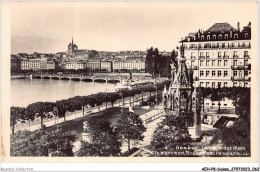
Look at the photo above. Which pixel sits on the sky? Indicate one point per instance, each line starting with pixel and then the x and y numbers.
pixel 107 26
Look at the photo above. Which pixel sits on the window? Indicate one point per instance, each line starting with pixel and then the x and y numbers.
pixel 246 35
pixel 236 36
pixel 223 45
pixel 214 36
pixel 201 73
pixel 194 38
pixel 201 62
pixel 245 53
pixel 219 62
pixel 219 54
pixel 213 73
pixel 202 37
pixel 225 62
pixel 207 54
pixel 235 62
pixel 207 73
pixel 235 73
pixel 219 36
pixel 219 84
pixel 213 62
pixel 219 73
pixel 207 62
pixel 246 73
pixel 243 44
pixel 201 84
pixel 207 84
pixel 213 45
pixel 225 73
pixel 226 36
pixel 208 37
pixel 201 54
pixel 225 85
pixel 235 84
pixel 246 84
pixel 235 54
pixel 213 84
pixel 225 54
pixel 245 62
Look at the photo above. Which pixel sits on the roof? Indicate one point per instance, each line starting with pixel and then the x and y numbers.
pixel 218 27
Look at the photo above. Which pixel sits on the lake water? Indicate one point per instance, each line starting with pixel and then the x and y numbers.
pixel 26 91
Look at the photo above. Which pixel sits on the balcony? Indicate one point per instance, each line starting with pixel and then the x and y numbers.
pixel 202 57
pixel 207 57
pixel 219 57
pixel 246 78
pixel 196 78
pixel 246 56
pixel 235 56
pixel 225 57
pixel 192 57
pixel 241 67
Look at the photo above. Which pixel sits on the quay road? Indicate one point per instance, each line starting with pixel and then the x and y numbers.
pixel 35 125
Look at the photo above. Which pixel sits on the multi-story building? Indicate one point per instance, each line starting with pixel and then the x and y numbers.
pixel 75 65
pixel 220 56
pixel 129 65
pixel 50 65
pixel 106 65
pixel 93 65
pixel 31 64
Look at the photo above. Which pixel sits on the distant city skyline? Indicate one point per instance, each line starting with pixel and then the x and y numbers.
pixel 120 26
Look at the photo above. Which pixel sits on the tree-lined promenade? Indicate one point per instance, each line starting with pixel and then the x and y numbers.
pixel 45 110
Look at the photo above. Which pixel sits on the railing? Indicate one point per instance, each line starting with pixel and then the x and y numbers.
pixel 235 56
pixel 219 57
pixel 225 57
pixel 241 67
pixel 202 57
pixel 192 57
pixel 246 56
pixel 196 78
pixel 246 78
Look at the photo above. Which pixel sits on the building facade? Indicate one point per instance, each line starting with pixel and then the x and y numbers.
pixel 93 65
pixel 129 65
pixel 106 65
pixel 74 65
pixel 220 56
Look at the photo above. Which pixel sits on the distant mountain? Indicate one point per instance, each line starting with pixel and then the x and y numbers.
pixel 27 44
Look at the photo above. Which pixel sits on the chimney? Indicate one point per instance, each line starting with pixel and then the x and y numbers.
pixel 238 27
pixel 249 24
pixel 199 34
pixel 230 34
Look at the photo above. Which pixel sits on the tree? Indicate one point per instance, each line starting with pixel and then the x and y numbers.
pixel 149 61
pixel 131 127
pixel 16 113
pixel 42 143
pixel 170 133
pixel 104 140
pixel 112 97
pixel 39 109
pixel 237 135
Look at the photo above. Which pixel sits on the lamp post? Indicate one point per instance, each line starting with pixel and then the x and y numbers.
pixel 55 109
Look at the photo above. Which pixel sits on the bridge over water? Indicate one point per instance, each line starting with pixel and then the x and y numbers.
pixel 97 77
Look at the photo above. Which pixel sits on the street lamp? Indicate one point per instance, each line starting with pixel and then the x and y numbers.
pixel 55 110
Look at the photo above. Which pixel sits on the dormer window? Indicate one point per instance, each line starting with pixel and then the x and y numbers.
pixel 226 36
pixel 188 38
pixel 214 36
pixel 219 36
pixel 194 38
pixel 208 37
pixel 236 36
pixel 202 37
pixel 246 35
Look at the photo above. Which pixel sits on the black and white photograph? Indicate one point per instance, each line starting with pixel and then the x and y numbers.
pixel 129 80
